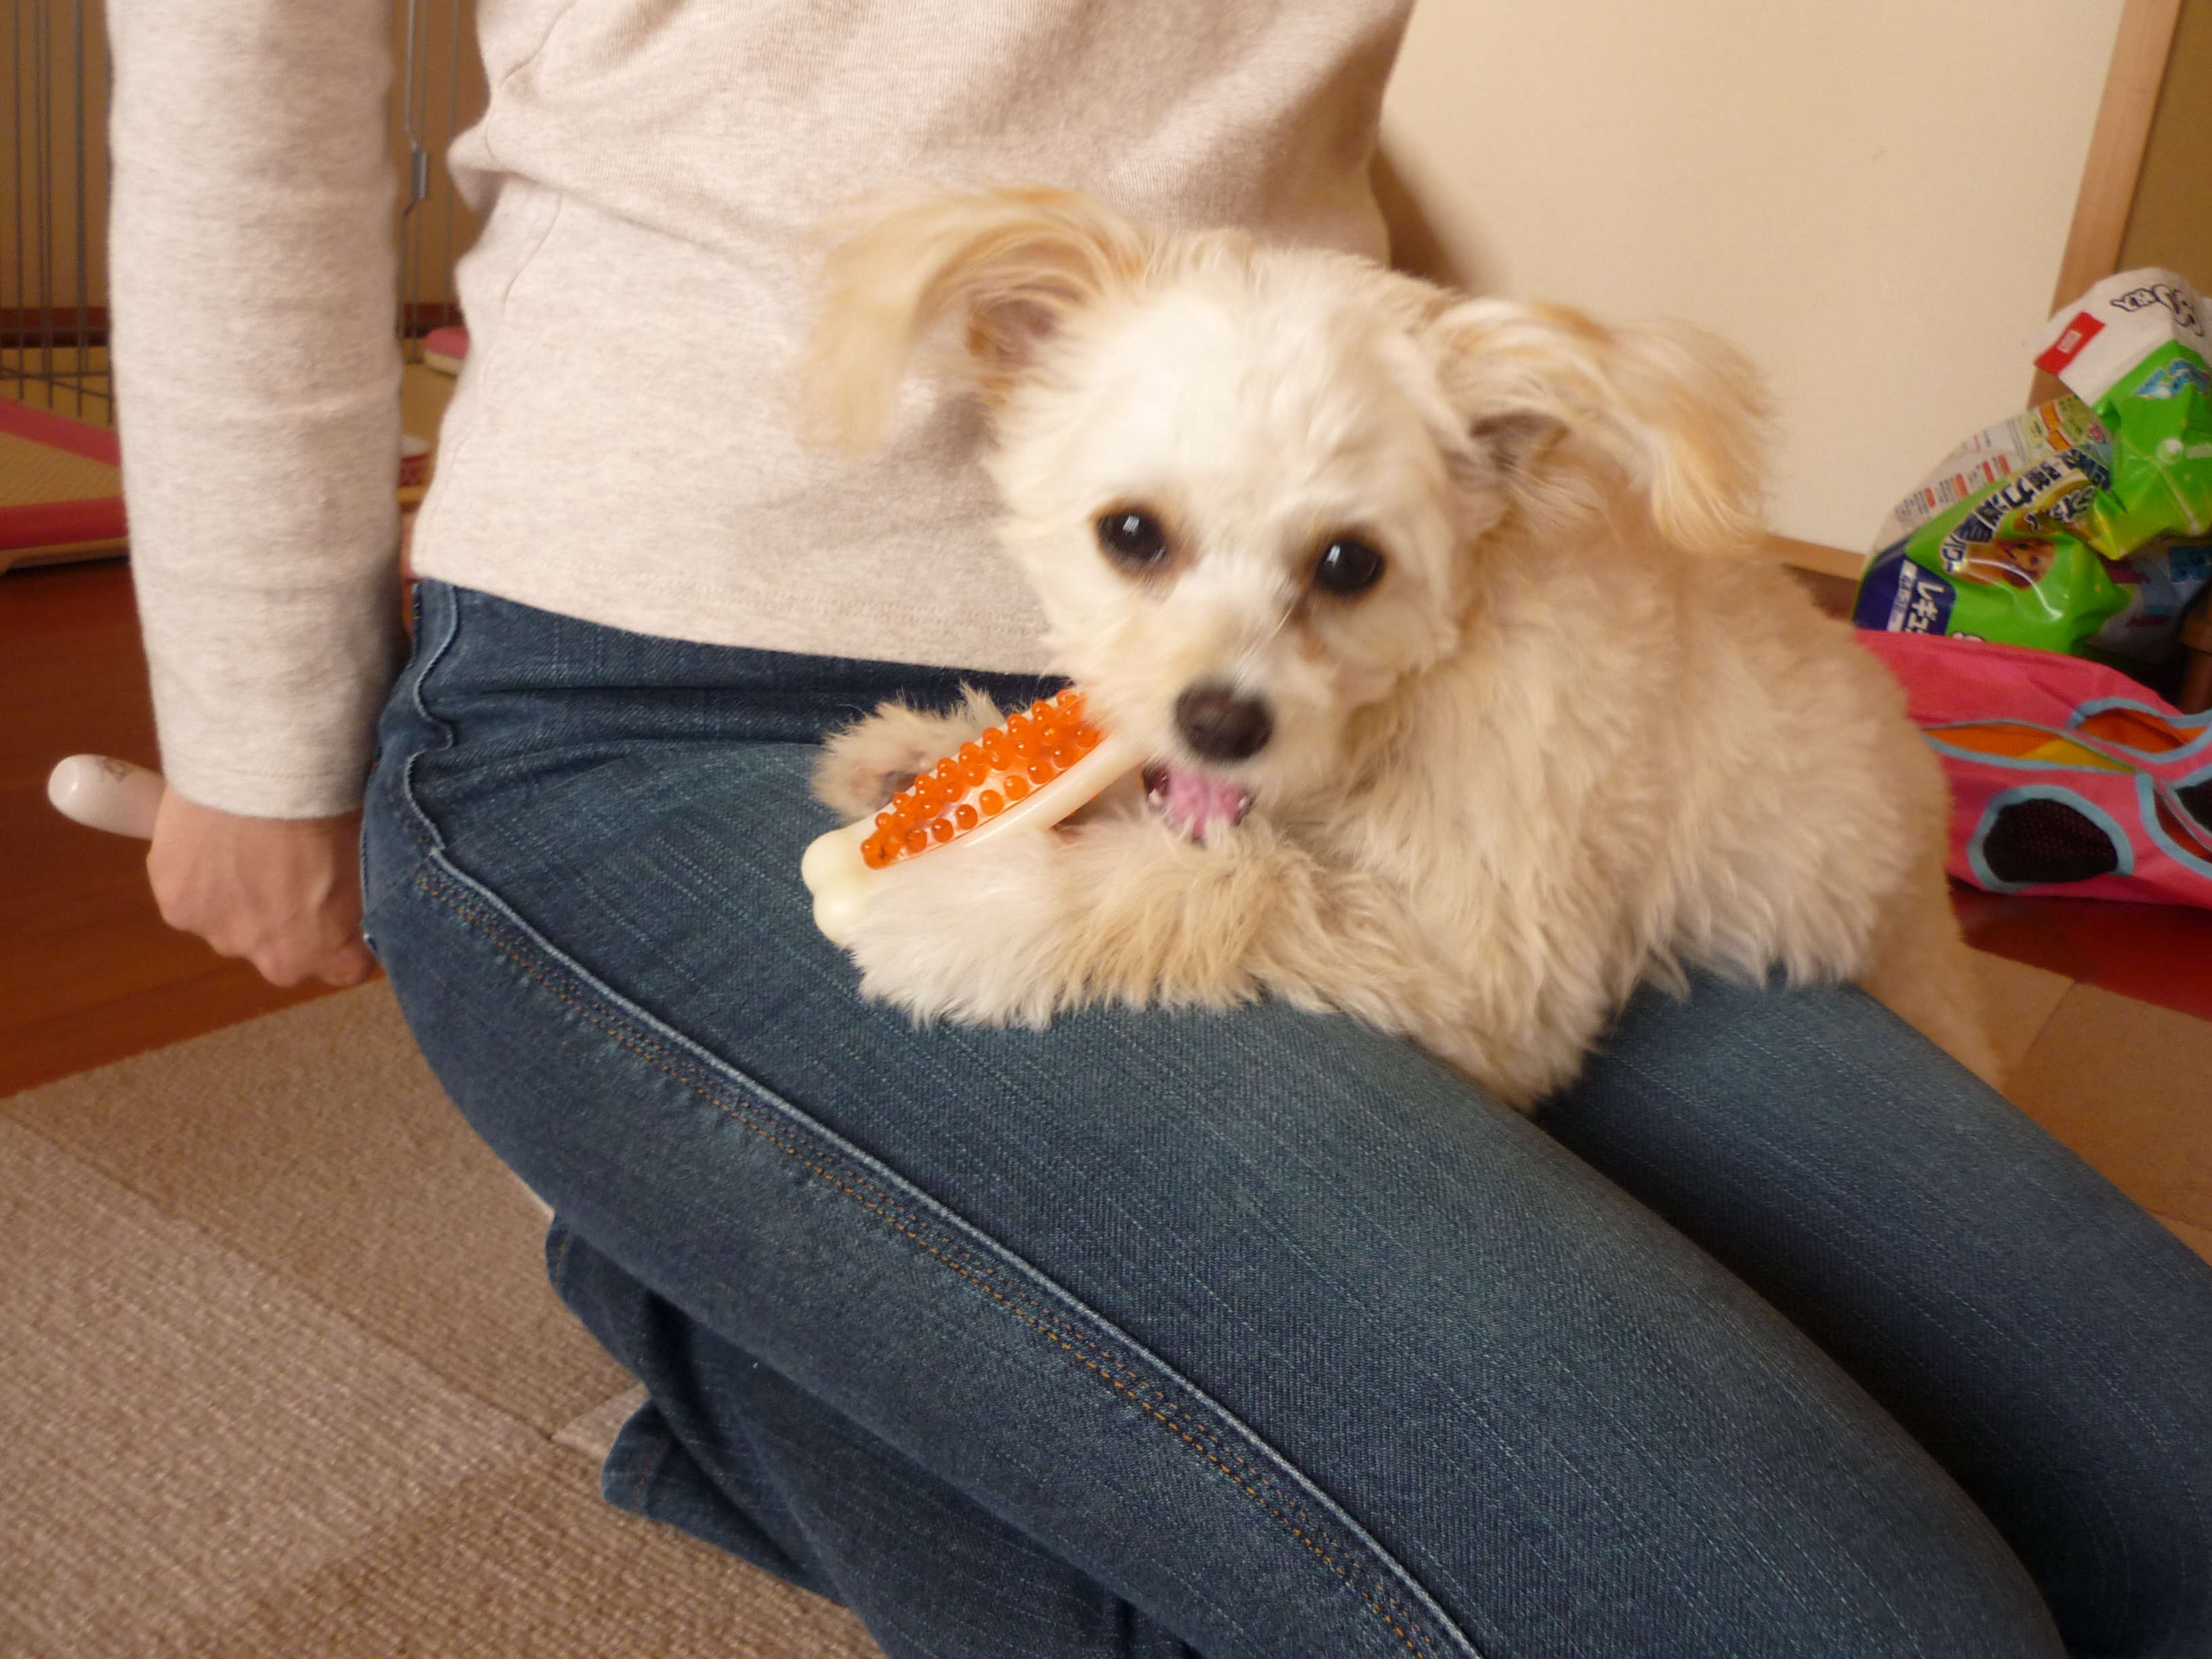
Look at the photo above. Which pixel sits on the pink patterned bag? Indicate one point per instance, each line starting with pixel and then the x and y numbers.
pixel 2066 776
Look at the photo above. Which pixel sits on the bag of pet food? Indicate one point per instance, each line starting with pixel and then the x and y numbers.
pixel 2066 776
pixel 2010 539
pixel 2004 540
pixel 2133 348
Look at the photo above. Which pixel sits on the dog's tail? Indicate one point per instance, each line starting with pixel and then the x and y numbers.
pixel 1009 264
pixel 1680 409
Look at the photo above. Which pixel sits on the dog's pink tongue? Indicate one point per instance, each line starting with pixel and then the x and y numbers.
pixel 1193 801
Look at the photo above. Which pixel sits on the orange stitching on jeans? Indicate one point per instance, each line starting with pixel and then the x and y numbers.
pixel 1085 1350
pixel 652 1467
pixel 1205 1443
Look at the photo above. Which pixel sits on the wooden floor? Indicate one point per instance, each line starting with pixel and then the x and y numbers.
pixel 87 971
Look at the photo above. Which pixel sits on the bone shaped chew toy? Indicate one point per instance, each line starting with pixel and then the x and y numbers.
pixel 1028 774
pixel 1021 777
pixel 105 794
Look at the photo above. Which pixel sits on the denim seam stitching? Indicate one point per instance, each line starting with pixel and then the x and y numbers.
pixel 650 1468
pixel 1115 1370
pixel 560 1274
pixel 416 821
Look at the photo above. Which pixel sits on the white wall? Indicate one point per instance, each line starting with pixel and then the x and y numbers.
pixel 1871 198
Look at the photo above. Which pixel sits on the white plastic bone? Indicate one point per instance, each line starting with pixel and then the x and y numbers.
pixel 840 881
pixel 106 794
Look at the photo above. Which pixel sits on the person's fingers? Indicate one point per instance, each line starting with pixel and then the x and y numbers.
pixel 283 894
pixel 350 966
pixel 293 958
pixel 279 968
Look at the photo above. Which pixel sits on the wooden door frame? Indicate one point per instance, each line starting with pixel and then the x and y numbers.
pixel 2116 147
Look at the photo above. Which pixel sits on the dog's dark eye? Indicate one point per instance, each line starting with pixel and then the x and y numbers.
pixel 1348 565
pixel 1131 539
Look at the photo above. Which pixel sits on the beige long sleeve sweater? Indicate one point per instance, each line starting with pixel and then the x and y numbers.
pixel 621 446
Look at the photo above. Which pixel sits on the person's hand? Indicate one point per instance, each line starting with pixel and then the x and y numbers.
pixel 283 893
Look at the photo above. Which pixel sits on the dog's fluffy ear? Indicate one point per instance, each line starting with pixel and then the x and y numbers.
pixel 1008 265
pixel 1679 409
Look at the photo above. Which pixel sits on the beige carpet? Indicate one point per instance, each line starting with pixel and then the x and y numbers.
pixel 282 1377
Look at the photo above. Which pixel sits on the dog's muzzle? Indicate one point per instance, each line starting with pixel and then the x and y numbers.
pixel 1194 802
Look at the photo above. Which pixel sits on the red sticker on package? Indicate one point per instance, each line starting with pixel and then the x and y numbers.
pixel 2076 334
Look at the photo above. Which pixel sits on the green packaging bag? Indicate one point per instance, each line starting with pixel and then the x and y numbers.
pixel 2008 539
pixel 2003 540
pixel 2134 350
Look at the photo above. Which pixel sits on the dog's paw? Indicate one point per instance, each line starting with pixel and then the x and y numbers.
pixel 863 766
pixel 974 936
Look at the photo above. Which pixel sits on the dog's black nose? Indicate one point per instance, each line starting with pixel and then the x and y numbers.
pixel 1220 725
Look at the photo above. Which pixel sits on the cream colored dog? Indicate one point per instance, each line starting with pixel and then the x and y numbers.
pixel 1470 712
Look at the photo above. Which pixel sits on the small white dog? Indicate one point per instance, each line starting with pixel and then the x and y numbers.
pixel 1470 711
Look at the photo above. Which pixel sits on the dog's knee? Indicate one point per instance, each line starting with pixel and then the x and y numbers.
pixel 863 766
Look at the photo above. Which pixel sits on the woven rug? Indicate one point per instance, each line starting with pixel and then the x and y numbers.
pixel 282 1377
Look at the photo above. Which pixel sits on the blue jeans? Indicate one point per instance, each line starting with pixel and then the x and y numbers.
pixel 1260 1334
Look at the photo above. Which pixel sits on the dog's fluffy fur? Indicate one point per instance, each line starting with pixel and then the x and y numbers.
pixel 1574 737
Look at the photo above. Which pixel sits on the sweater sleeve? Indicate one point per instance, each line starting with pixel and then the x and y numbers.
pixel 252 290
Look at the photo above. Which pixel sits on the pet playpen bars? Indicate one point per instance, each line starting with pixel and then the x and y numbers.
pixel 54 315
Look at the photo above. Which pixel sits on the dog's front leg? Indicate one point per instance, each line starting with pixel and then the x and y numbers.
pixel 863 766
pixel 1125 910
pixel 1128 911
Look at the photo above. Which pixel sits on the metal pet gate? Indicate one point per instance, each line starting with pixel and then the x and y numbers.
pixel 53 214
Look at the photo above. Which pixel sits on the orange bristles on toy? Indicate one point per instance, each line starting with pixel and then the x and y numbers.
pixel 998 769
pixel 1039 767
